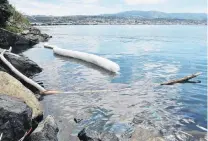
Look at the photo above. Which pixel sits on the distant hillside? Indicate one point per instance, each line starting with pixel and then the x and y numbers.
pixel 159 15
pixel 123 18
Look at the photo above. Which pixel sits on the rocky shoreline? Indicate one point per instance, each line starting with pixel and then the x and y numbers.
pixel 20 110
pixel 21 113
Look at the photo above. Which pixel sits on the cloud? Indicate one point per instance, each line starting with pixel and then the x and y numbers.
pixel 90 1
pixel 136 2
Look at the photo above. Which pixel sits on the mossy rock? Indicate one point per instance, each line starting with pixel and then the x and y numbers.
pixel 12 87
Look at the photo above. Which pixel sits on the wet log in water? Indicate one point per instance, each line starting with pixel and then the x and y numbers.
pixel 183 80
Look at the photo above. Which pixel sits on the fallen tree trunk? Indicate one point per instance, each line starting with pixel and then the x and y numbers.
pixel 182 80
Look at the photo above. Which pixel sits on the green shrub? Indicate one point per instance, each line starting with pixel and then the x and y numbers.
pixel 11 19
pixel 13 29
pixel 5 12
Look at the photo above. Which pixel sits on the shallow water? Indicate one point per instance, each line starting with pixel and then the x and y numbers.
pixel 147 54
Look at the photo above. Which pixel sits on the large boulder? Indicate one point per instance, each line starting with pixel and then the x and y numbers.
pixel 47 130
pixel 15 118
pixel 11 86
pixel 21 63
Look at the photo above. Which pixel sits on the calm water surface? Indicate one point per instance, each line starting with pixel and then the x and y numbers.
pixel 147 55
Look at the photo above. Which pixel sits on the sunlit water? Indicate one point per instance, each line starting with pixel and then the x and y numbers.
pixel 147 55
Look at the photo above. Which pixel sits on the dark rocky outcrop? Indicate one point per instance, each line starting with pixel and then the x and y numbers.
pixel 35 35
pixel 8 38
pixel 22 63
pixel 47 130
pixel 29 37
pixel 15 29
pixel 15 118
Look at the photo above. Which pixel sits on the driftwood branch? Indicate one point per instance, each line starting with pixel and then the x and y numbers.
pixel 183 80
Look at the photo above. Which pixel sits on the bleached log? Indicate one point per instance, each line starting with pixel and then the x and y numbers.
pixel 91 58
pixel 182 80
pixel 19 74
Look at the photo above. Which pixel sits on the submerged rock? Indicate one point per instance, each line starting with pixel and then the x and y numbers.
pixel 15 118
pixel 12 87
pixel 94 124
pixel 190 136
pixel 47 130
pixel 141 134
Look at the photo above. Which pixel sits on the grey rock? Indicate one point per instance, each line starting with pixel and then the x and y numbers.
pixel 23 64
pixel 29 37
pixel 8 38
pixel 15 118
pixel 47 130
pixel 35 35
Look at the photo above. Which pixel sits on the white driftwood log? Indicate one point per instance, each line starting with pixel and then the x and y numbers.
pixel 19 74
pixel 182 80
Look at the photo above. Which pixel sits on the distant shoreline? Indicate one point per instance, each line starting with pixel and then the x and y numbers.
pixel 123 18
pixel 34 24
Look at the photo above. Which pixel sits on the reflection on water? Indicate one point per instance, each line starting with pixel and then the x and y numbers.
pixel 148 56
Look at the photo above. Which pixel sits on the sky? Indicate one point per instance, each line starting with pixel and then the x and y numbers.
pixel 95 7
